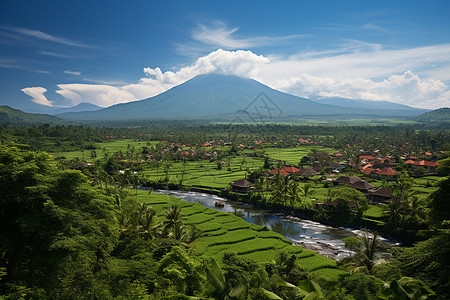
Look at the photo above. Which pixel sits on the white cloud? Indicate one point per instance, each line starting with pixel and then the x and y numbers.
pixel 358 71
pixel 218 35
pixel 49 53
pixel 240 63
pixel 407 88
pixel 36 34
pixel 37 95
pixel 41 71
pixel 103 95
pixel 72 73
pixel 365 62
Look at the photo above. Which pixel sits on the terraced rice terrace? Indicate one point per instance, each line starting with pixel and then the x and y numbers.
pixel 225 232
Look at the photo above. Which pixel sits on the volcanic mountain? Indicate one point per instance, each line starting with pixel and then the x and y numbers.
pixel 215 96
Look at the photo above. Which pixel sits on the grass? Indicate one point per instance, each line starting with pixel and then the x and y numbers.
pixel 374 212
pixel 224 232
pixel 293 155
pixel 316 262
pixel 205 173
pixel 109 147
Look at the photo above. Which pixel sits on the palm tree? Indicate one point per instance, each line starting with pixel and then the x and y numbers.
pixel 393 212
pixel 140 222
pixel 260 185
pixel 294 190
pixel 282 189
pixel 306 191
pixel 173 221
pixel 366 248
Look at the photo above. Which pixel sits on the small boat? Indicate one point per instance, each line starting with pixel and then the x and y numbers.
pixel 219 204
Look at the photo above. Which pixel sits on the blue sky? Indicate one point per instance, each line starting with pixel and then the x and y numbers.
pixel 61 53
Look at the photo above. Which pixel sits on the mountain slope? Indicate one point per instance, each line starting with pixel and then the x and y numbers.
pixel 83 106
pixel 214 96
pixel 380 107
pixel 17 117
pixel 207 96
pixel 438 115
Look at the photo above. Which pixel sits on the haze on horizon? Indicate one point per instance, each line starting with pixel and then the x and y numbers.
pixel 57 54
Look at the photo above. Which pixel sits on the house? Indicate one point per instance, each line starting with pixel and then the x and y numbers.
pixel 280 171
pixel 381 195
pixel 346 180
pixel 362 186
pixel 430 166
pixel 367 170
pixel 290 170
pixel 340 204
pixel 387 171
pixel 241 186
pixel 308 172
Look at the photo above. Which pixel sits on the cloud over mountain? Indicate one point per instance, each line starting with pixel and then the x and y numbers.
pixel 407 88
pixel 240 63
pixel 310 76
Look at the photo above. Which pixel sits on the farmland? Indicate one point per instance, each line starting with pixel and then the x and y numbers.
pixel 224 232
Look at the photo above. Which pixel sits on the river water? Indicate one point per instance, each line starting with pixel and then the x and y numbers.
pixel 323 239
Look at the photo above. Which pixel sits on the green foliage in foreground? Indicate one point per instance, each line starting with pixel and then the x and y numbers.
pixel 63 237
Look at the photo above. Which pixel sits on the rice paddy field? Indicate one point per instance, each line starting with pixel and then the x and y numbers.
pixel 199 173
pixel 205 173
pixel 293 155
pixel 102 148
pixel 225 232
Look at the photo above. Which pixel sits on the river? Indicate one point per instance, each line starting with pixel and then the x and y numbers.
pixel 323 239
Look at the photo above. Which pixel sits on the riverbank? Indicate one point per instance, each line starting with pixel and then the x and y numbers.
pixel 320 238
pixel 279 209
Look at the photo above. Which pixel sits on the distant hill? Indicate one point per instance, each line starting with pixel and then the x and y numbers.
pixel 436 116
pixel 214 96
pixel 17 117
pixel 84 106
pixel 386 108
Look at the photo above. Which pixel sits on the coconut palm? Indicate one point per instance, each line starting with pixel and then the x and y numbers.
pixel 173 220
pixel 393 212
pixel 306 191
pixel 294 191
pixel 260 185
pixel 366 248
pixel 282 187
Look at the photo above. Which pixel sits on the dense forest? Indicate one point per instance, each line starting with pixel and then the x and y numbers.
pixel 76 229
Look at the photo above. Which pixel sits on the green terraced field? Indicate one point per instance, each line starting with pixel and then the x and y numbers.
pixel 205 173
pixel 374 212
pixel 293 155
pixel 108 147
pixel 223 232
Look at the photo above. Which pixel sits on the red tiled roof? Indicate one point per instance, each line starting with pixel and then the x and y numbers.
pixel 275 171
pixel 428 153
pixel 387 171
pixel 368 170
pixel 409 161
pixel 291 169
pixel 426 163
pixel 366 157
pixel 367 166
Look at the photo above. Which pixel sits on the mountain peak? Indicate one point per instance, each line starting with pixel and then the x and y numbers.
pixel 217 96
